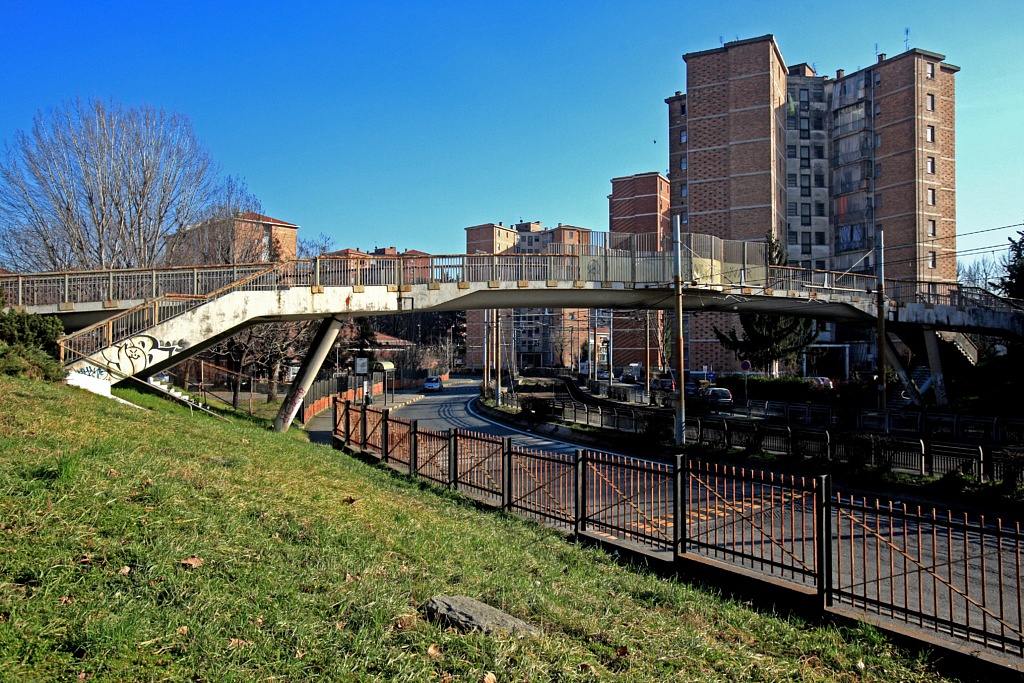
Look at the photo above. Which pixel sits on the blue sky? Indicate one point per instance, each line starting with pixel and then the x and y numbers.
pixel 401 123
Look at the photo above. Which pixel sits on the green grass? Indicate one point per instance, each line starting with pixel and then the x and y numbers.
pixel 154 545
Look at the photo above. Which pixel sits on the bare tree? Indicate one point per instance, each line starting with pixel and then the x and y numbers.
pixel 983 272
pixel 228 230
pixel 99 185
pixel 311 248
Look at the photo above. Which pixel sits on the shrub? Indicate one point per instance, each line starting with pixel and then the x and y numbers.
pixel 19 360
pixel 28 329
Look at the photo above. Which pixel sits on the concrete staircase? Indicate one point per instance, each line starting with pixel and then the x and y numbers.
pixel 177 394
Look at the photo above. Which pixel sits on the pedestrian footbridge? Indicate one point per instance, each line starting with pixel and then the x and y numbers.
pixel 128 323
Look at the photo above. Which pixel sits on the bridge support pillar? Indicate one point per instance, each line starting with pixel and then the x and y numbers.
pixel 893 359
pixel 318 350
pixel 931 345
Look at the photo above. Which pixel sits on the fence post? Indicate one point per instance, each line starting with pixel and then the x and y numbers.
pixel 828 446
pixel 580 523
pixel 679 522
pixel 789 442
pixel 926 452
pixel 414 448
pixel 348 423
pixel 982 465
pixel 506 473
pixel 453 458
pixel 824 550
pixel 385 433
pixel 362 422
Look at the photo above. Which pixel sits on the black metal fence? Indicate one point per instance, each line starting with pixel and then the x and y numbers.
pixel 951 574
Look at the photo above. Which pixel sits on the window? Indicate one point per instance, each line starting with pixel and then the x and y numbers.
pixel 791 237
pixel 931 196
pixel 805 185
pixel 805 100
pixel 932 229
pixel 878 201
pixel 791 180
pixel 819 208
pixel 683 191
pixel 878 110
pixel 805 265
pixel 805 214
pixel 684 217
pixel 878 80
pixel 929 102
pixel 929 69
pixel 805 245
pixel 818 94
pixel 929 164
pixel 929 134
pixel 819 238
pixel 791 208
pixel 682 164
pixel 805 157
pixel 817 121
pixel 878 170
pixel 931 259
pixel 805 128
pixel 878 140
pixel 791 151
pixel 790 123
pixel 819 180
pixel 682 135
pixel 819 152
pixel 682 109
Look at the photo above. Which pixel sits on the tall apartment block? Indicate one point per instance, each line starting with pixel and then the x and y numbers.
pixel 826 165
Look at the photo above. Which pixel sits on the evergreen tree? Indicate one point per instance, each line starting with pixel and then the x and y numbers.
pixel 769 338
pixel 1012 284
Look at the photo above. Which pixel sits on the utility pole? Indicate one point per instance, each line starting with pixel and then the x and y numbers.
pixel 880 307
pixel 680 431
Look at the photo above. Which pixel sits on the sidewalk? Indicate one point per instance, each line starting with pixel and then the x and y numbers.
pixel 320 427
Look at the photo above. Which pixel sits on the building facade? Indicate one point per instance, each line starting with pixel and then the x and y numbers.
pixel 528 337
pixel 827 166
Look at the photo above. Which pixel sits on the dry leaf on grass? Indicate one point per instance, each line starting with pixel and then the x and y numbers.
pixel 434 652
pixel 124 571
pixel 348 500
pixel 490 678
pixel 192 562
pixel 406 622
pixel 182 630
pixel 238 642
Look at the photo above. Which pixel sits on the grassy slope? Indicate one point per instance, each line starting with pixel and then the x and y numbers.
pixel 314 564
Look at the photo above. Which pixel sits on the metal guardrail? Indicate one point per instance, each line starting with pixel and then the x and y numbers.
pixel 938 572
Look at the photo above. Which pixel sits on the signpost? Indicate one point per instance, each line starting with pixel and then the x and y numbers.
pixel 745 367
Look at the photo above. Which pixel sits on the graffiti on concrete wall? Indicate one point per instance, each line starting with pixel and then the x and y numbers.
pixel 138 353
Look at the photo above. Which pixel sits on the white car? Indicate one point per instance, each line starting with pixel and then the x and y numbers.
pixel 433 383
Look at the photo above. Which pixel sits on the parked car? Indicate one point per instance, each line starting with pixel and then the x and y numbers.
pixel 627 378
pixel 663 385
pixel 433 383
pixel 823 382
pixel 603 374
pixel 718 398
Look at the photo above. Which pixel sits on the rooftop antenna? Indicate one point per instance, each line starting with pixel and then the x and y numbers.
pixel 876 49
pixel 721 40
pixel 906 38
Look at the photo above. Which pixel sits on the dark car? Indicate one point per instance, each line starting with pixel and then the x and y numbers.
pixel 718 398
pixel 627 378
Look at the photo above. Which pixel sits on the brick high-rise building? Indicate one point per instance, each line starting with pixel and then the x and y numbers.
pixel 823 164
